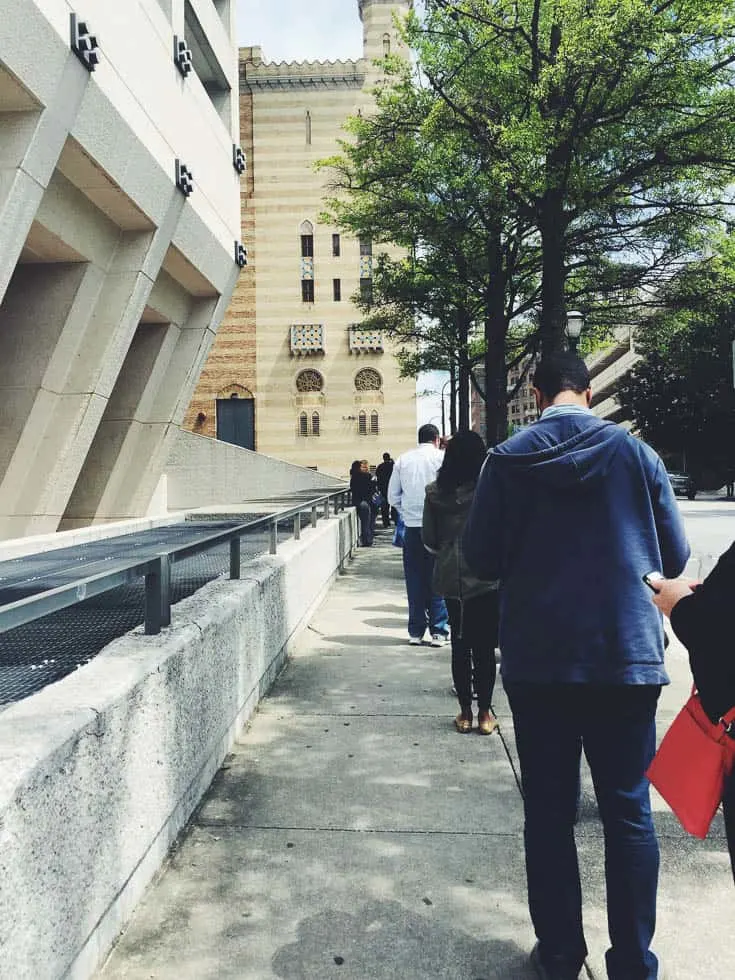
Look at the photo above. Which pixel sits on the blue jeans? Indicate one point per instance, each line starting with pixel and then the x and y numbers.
pixel 424 608
pixel 615 724
pixel 365 517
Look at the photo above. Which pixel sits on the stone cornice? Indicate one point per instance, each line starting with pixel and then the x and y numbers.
pixel 303 74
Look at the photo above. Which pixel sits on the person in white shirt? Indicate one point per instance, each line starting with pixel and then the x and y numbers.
pixel 412 473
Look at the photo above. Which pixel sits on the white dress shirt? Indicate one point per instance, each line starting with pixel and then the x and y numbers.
pixel 412 473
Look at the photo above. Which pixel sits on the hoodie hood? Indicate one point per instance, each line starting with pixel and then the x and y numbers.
pixel 564 452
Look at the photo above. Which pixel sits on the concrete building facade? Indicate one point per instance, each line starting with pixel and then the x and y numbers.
pixel 292 373
pixel 119 214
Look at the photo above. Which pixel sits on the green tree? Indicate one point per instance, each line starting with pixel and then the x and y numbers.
pixel 680 394
pixel 608 124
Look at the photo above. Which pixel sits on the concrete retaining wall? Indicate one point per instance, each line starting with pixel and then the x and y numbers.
pixel 204 472
pixel 101 771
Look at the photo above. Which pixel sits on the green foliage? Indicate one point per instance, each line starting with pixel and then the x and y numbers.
pixel 681 393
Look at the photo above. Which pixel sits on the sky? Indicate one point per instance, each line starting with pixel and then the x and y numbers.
pixel 294 30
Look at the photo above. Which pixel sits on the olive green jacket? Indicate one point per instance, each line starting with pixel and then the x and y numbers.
pixel 445 515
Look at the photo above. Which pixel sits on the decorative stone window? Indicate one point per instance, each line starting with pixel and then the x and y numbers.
pixel 309 380
pixel 309 424
pixel 307 121
pixel 386 45
pixel 306 339
pixel 362 423
pixel 374 423
pixel 368 379
pixel 368 423
pixel 363 340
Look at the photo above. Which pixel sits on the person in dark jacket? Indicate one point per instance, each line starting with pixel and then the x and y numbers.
pixel 383 473
pixel 362 487
pixel 701 616
pixel 569 514
pixel 472 604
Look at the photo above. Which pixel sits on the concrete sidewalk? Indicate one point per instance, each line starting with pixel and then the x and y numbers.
pixel 354 834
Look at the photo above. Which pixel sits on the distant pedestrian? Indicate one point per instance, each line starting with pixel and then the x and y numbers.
pixel 382 475
pixel 412 472
pixel 569 514
pixel 362 487
pixel 701 616
pixel 472 603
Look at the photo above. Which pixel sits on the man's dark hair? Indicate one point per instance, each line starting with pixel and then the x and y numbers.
pixel 562 371
pixel 386 457
pixel 428 433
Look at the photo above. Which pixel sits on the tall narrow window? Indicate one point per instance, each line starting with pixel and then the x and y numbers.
pixel 307 122
pixel 386 45
pixel 362 423
pixel 366 246
pixel 366 291
pixel 307 246
pixel 307 290
pixel 374 424
pixel 315 424
pixel 337 289
pixel 303 424
pixel 335 246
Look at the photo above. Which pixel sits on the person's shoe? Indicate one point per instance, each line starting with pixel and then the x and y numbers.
pixel 544 972
pixel 463 722
pixel 486 724
pixel 437 640
pixel 415 641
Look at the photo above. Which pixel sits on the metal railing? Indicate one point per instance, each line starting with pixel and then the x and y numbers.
pixel 157 570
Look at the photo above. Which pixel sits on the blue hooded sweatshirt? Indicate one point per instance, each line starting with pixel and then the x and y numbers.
pixel 569 514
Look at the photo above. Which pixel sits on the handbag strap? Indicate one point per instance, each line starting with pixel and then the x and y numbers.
pixel 727 720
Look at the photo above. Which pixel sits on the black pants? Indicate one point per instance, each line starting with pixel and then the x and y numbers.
pixel 728 808
pixel 387 513
pixel 474 625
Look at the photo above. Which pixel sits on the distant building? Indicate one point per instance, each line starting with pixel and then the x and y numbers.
pixel 293 373
pixel 607 367
pixel 521 406
pixel 119 212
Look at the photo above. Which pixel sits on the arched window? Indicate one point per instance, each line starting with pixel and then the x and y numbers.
pixel 362 423
pixel 307 239
pixel 307 121
pixel 374 423
pixel 309 380
pixel 315 424
pixel 368 379
pixel 386 45
pixel 303 424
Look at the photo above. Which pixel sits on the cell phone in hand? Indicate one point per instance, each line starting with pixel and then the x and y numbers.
pixel 650 577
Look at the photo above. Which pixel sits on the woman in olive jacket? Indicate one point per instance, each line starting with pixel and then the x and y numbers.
pixel 701 616
pixel 471 602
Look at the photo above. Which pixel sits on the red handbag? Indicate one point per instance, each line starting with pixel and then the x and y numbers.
pixel 692 764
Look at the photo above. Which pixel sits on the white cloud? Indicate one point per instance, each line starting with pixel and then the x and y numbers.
pixel 292 30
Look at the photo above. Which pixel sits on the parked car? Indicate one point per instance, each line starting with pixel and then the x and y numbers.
pixel 683 485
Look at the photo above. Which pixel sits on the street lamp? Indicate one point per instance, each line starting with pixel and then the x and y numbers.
pixel 444 386
pixel 575 322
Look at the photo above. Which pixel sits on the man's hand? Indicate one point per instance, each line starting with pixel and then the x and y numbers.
pixel 669 591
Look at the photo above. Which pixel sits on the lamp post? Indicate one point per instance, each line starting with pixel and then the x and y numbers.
pixel 575 322
pixel 444 427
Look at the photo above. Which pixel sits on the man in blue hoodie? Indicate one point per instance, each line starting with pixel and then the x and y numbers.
pixel 569 514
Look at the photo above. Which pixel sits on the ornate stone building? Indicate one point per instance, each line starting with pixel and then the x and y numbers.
pixel 292 373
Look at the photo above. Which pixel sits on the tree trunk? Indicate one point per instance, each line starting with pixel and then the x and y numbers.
pixel 463 370
pixel 496 326
pixel 452 399
pixel 553 319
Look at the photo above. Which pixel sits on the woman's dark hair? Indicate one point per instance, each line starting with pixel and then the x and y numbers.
pixel 355 468
pixel 463 459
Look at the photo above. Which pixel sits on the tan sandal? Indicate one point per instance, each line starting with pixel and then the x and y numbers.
pixel 463 723
pixel 486 724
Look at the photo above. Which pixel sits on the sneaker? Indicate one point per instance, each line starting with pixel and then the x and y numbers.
pixel 550 973
pixel 437 640
pixel 415 641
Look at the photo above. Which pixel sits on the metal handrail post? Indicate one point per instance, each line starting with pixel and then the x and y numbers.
pixel 326 506
pixel 297 526
pixel 153 599
pixel 235 557
pixel 314 516
pixel 274 537
pixel 165 590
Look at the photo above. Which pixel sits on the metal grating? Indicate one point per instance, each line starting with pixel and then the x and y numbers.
pixel 44 651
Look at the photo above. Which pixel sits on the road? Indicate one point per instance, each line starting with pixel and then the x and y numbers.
pixel 711 527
